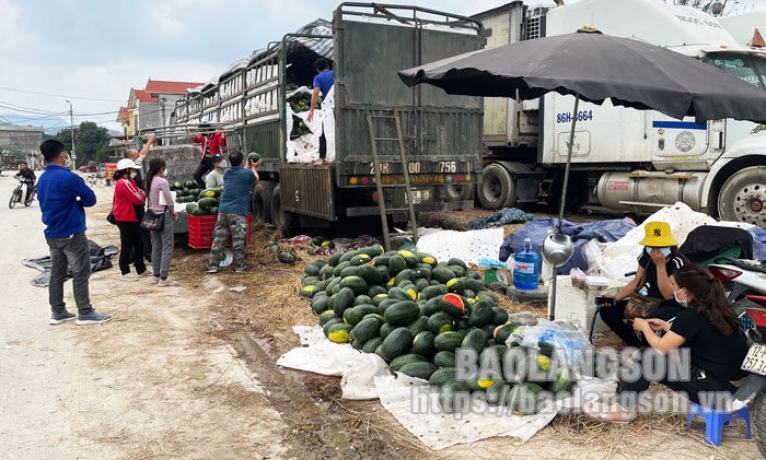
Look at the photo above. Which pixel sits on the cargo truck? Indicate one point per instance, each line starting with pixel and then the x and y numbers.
pixel 420 135
pixel 624 159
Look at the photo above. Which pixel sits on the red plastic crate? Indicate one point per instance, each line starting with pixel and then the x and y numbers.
pixel 201 231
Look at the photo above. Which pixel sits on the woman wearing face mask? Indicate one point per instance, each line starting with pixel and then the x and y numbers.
pixel 162 241
pixel 711 331
pixel 657 262
pixel 127 195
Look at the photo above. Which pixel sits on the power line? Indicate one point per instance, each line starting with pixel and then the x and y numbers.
pixel 59 95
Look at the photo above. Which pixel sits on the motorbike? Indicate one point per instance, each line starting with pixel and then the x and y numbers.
pixel 745 280
pixel 18 193
pixel 754 320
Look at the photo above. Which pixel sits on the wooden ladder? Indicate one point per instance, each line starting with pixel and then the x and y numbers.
pixel 379 183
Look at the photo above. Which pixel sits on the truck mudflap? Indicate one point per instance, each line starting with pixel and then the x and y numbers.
pixel 308 190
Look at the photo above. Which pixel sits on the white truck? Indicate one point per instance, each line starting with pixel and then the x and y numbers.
pixel 743 26
pixel 624 159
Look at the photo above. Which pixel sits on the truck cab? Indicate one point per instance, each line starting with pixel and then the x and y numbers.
pixel 625 159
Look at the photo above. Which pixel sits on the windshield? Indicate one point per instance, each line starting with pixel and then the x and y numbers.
pixel 746 67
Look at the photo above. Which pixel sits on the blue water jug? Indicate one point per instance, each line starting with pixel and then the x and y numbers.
pixel 526 268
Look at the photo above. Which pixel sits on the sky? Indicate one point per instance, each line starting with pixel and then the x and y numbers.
pixel 92 52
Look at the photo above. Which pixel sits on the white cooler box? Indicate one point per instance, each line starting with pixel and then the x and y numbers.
pixel 576 305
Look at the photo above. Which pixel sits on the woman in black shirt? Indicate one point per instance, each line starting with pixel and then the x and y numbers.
pixel 710 330
pixel 659 260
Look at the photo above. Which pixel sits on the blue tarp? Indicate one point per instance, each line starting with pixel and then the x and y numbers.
pixel 604 231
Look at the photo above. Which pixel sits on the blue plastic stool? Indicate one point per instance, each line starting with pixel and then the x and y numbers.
pixel 715 420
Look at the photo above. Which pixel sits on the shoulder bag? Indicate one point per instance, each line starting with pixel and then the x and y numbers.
pixel 153 221
pixel 640 306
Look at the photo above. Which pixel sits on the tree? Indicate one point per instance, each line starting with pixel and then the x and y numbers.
pixel 65 137
pixel 89 139
pixel 709 6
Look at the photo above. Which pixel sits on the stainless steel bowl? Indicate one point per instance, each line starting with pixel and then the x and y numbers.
pixel 557 248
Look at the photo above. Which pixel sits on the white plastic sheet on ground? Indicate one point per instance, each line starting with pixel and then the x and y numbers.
pixel 356 369
pixel 409 400
pixel 621 256
pixel 470 246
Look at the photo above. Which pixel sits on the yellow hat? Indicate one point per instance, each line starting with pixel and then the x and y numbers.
pixel 658 235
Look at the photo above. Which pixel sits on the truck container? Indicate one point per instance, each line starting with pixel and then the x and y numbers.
pixel 257 102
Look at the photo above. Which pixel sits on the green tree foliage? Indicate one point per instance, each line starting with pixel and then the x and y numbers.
pixel 65 137
pixel 90 139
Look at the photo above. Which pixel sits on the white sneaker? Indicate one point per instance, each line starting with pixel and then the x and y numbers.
pixel 167 282
pixel 130 277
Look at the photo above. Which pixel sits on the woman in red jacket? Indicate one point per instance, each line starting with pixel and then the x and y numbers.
pixel 127 196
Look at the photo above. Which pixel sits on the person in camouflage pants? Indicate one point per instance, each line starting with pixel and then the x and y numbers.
pixel 238 183
pixel 235 226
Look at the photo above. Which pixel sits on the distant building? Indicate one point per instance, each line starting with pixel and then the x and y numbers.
pixel 151 107
pixel 22 139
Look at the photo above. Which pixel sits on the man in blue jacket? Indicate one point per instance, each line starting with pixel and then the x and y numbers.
pixel 63 197
pixel 232 211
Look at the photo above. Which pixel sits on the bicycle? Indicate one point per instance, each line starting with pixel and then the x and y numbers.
pixel 95 180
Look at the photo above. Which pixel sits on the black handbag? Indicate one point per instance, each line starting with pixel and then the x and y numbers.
pixel 153 221
pixel 110 218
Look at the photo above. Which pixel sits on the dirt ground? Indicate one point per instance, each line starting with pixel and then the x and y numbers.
pixel 189 372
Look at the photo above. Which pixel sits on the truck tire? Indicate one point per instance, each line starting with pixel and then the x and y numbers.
pixel 759 421
pixel 262 196
pixel 459 192
pixel 286 221
pixel 497 189
pixel 743 197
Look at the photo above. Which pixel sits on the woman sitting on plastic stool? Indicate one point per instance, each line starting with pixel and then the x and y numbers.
pixel 711 331
pixel 659 260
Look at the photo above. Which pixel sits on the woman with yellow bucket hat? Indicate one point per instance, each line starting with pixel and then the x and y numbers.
pixel 656 264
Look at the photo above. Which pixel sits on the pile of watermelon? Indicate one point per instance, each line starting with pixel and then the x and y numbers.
pixel 414 312
pixel 201 202
pixel 186 192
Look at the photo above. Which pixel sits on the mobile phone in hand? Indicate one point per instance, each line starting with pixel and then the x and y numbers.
pixel 603 301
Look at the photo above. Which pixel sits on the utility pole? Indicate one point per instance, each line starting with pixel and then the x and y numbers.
pixel 162 107
pixel 71 130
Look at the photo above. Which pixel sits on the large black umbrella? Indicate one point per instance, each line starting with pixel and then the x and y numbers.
pixel 596 67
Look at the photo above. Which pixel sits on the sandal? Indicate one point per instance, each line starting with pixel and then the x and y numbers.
pixel 607 412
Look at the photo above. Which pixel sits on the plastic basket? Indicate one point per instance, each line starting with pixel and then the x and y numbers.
pixel 201 231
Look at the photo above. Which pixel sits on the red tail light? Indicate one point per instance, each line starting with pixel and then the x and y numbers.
pixel 758 315
pixel 724 274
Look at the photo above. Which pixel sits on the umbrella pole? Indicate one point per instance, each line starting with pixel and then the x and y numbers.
pixel 552 302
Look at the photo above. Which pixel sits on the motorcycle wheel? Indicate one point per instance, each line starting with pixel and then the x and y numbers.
pixel 759 421
pixel 14 199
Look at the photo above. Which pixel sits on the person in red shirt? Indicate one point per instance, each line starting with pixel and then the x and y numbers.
pixel 127 195
pixel 211 142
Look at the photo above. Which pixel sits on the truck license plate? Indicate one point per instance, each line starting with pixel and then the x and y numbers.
pixel 755 361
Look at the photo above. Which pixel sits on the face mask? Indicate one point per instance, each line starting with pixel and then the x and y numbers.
pixel 665 251
pixel 223 164
pixel 684 303
pixel 133 175
pixel 68 161
pixel 165 173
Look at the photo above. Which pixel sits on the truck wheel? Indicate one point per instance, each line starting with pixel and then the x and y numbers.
pixel 743 197
pixel 459 192
pixel 497 189
pixel 262 196
pixel 759 421
pixel 286 221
